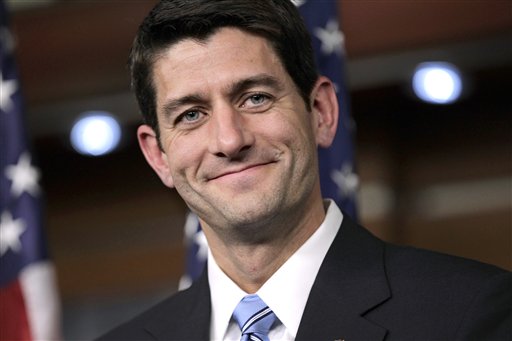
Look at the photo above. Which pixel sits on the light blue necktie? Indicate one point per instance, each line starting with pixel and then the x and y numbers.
pixel 254 318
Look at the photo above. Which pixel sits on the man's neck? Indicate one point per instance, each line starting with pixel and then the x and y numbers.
pixel 250 265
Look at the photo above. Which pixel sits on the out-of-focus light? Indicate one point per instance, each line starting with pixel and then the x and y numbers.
pixel 95 133
pixel 437 82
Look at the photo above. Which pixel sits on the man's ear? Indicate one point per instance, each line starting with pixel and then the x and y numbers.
pixel 324 106
pixel 157 159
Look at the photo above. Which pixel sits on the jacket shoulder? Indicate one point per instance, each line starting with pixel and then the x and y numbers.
pixel 183 315
pixel 410 262
pixel 445 292
pixel 135 328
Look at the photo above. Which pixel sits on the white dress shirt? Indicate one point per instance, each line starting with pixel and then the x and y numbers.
pixel 286 292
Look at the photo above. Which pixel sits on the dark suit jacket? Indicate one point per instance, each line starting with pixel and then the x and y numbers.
pixel 366 289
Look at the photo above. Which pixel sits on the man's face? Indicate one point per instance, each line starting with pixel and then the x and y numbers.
pixel 238 143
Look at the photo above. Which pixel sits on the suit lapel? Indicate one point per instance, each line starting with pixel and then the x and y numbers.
pixel 350 282
pixel 191 321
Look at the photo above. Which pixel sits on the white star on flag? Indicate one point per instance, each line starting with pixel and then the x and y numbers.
pixel 298 3
pixel 195 236
pixel 24 176
pixel 7 89
pixel 331 37
pixel 346 180
pixel 10 233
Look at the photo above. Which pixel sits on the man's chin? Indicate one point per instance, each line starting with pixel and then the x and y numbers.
pixel 245 219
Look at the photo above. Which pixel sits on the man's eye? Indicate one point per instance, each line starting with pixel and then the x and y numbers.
pixel 255 100
pixel 191 116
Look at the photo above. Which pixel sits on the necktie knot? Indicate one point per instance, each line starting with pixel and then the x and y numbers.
pixel 254 318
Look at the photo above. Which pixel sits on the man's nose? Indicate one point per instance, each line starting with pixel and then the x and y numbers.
pixel 229 133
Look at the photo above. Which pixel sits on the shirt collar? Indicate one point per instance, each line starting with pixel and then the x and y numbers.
pixel 225 296
pixel 286 301
pixel 287 291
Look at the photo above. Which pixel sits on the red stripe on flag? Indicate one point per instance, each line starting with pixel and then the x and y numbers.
pixel 13 316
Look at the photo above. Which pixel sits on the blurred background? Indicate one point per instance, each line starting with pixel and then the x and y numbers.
pixel 431 175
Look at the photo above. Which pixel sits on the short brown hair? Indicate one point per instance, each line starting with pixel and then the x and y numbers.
pixel 170 21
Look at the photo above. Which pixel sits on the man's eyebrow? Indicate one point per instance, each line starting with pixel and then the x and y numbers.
pixel 250 82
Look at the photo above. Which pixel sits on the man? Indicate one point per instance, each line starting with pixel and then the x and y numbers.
pixel 234 113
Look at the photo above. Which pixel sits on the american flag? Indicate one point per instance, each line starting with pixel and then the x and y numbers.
pixel 339 181
pixel 29 308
